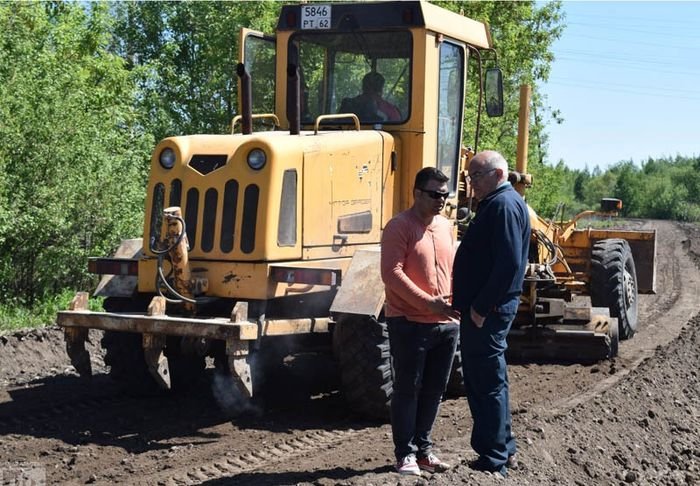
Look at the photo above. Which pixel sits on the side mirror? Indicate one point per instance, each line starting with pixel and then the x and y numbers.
pixel 493 88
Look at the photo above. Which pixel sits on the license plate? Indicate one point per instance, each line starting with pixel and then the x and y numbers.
pixel 315 16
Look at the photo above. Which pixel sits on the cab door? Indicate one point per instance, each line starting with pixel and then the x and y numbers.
pixel 342 196
pixel 257 51
pixel 451 86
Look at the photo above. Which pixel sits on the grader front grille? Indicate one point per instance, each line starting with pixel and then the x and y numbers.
pixel 202 213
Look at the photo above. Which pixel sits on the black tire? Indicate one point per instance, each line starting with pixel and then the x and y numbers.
pixel 124 355
pixel 124 351
pixel 455 384
pixel 187 370
pixel 614 283
pixel 361 348
pixel 127 366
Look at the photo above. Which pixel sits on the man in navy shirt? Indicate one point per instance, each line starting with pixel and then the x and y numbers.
pixel 488 274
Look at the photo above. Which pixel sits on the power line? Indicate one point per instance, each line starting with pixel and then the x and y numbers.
pixel 625 65
pixel 670 24
pixel 653 92
pixel 631 86
pixel 662 32
pixel 626 41
pixel 646 59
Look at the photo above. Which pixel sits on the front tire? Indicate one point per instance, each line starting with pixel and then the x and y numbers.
pixel 187 369
pixel 127 366
pixel 614 283
pixel 361 348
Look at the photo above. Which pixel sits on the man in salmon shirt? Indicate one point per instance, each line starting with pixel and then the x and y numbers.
pixel 416 262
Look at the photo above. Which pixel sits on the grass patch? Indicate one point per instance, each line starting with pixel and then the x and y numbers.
pixel 599 222
pixel 17 316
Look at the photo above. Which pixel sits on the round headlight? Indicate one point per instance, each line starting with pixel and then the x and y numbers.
pixel 167 158
pixel 256 159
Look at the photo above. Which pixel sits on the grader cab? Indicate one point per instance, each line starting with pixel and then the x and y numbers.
pixel 268 237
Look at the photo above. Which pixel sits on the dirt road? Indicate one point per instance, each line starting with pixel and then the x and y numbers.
pixel 635 419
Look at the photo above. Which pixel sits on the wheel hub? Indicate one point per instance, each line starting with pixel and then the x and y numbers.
pixel 629 289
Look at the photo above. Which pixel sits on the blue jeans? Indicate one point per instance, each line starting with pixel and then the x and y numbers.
pixel 486 384
pixel 422 357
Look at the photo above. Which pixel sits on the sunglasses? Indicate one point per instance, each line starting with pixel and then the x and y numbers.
pixel 435 194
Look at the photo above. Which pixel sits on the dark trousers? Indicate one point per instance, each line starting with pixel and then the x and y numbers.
pixel 422 357
pixel 486 384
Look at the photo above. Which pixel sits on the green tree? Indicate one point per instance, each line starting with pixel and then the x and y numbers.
pixel 551 191
pixel 188 53
pixel 599 187
pixel 628 187
pixel 522 33
pixel 191 48
pixel 661 188
pixel 71 147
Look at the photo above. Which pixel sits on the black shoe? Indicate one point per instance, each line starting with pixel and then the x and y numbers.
pixel 483 465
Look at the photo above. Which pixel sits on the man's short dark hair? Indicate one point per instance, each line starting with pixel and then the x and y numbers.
pixel 429 173
pixel 373 82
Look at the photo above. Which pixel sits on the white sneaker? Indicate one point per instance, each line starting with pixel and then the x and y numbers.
pixel 432 464
pixel 408 466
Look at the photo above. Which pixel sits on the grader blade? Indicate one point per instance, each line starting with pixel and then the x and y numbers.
pixel 237 352
pixel 157 363
pixel 76 337
pixel 572 340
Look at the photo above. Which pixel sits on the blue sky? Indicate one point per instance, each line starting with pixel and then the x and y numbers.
pixel 627 82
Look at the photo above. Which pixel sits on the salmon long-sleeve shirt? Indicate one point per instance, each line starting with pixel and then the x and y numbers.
pixel 416 265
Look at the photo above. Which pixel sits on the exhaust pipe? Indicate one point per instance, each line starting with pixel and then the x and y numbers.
pixel 246 100
pixel 523 135
pixel 293 99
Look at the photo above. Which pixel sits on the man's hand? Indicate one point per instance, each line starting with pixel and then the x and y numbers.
pixel 440 305
pixel 476 318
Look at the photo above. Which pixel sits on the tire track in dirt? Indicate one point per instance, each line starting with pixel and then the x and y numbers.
pixel 309 441
pixel 661 318
pixel 49 403
pixel 82 404
pixel 269 456
pixel 661 315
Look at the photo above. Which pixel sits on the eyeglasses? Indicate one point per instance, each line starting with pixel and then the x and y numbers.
pixel 435 194
pixel 478 175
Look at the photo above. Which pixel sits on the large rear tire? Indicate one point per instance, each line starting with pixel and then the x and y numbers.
pixel 614 283
pixel 361 348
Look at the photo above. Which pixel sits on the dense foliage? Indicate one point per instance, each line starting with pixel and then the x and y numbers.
pixel 522 33
pixel 666 188
pixel 189 51
pixel 86 89
pixel 72 147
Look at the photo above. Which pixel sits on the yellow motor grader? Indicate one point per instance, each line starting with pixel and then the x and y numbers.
pixel 609 266
pixel 269 235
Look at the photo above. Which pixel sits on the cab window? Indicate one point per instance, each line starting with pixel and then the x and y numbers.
pixel 450 103
pixel 350 72
pixel 260 63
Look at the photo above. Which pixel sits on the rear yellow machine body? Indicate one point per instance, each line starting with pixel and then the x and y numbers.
pixel 259 235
